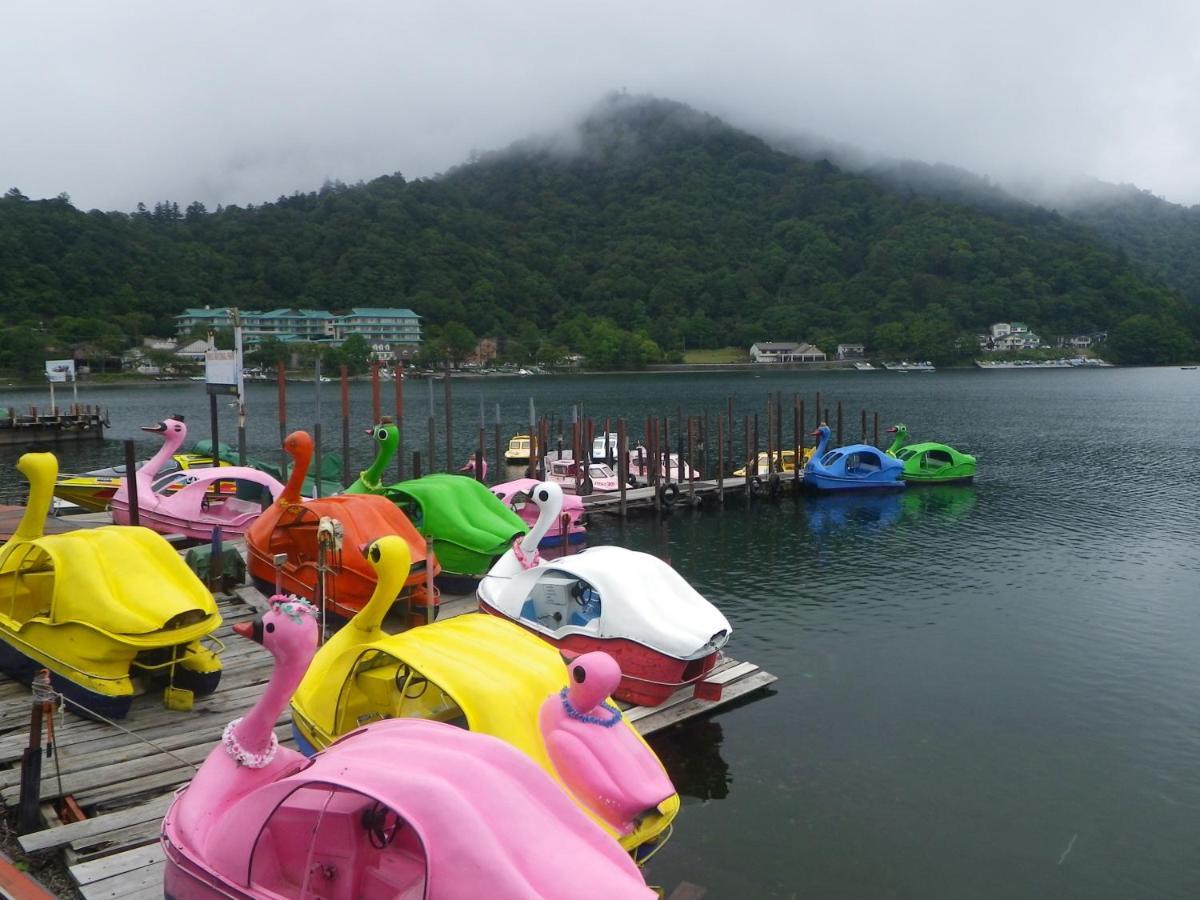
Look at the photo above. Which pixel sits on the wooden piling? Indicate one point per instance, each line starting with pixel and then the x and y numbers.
pixel 479 476
pixel 749 462
pixel 797 438
pixel 840 442
pixel 131 486
pixel 691 469
pixel 346 425
pixel 449 422
pixel 863 439
pixel 876 429
pixel 622 466
pixel 376 408
pixel 281 378
pixel 416 464
pixel 398 393
pixel 720 459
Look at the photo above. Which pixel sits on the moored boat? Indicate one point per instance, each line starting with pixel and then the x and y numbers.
pixel 97 606
pixel 520 447
pixel 589 478
pixel 490 676
pixel 853 467
pixel 633 606
pixel 400 808
pixel 569 524
pixel 929 462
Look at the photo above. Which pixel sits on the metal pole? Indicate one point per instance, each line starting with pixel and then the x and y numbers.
pixel 721 459
pixel 212 423
pixel 29 817
pixel 241 387
pixel 622 465
pixel 449 421
pixel 839 424
pixel 398 373
pixel 432 428
pixel 376 406
pixel 345 424
pixel 316 474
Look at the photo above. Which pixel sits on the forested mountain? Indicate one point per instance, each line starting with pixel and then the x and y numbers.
pixel 650 227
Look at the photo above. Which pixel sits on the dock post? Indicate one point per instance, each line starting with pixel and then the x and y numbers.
pixel 432 428
pixel 797 438
pixel 622 464
pixel 449 423
pixel 721 459
pixel 652 460
pixel 29 805
pixel 704 445
pixel 691 459
pixel 609 457
pixel 479 456
pixel 283 457
pixel 398 377
pixel 749 459
pixel 376 407
pixel 416 464
pixel 316 475
pixel 826 419
pixel 212 422
pixel 817 412
pixel 499 453
pixel 346 425
pixel 876 429
pixel 839 424
pixel 729 424
pixel 131 487
pixel 863 439
pixel 779 430
pixel 770 434
pixel 754 452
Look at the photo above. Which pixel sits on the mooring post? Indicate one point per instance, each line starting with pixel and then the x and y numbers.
pixel 797 437
pixel 826 419
pixel 839 424
pixel 479 476
pixel 576 460
pixel 29 817
pixel 622 465
pixel 416 464
pixel 398 377
pixel 499 453
pixel 876 429
pixel 730 424
pixel 691 469
pixel 863 439
pixel 749 466
pixel 376 406
pixel 318 468
pixel 704 445
pixel 721 459
pixel 131 486
pixel 346 425
pixel 817 412
pixel 449 422
pixel 770 433
pixel 281 378
pixel 779 430
pixel 754 451
pixel 652 461
pixel 608 450
pixel 213 426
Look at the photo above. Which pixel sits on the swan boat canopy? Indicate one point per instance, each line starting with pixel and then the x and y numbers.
pixel 930 463
pixel 401 808
pixel 853 467
pixel 291 527
pixel 96 606
pixel 516 495
pixel 631 605
pixel 488 675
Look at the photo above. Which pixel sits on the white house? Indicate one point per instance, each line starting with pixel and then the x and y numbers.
pixel 851 351
pixel 1013 336
pixel 785 352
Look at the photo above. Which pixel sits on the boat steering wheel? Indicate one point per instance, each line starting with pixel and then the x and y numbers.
pixel 418 683
pixel 381 823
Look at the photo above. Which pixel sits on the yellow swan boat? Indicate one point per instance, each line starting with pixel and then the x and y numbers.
pixel 479 672
pixel 97 606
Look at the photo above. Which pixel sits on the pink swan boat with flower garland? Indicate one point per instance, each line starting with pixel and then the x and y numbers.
pixel 192 502
pixel 633 606
pixel 469 816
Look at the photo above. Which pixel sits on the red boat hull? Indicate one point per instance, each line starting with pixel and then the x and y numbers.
pixel 648 677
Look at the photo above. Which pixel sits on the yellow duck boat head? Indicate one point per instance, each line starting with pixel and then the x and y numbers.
pixel 92 605
pixel 482 673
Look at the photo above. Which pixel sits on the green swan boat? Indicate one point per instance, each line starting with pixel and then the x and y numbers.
pixel 930 463
pixel 468 525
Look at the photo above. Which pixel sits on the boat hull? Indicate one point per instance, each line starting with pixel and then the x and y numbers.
pixel 648 677
pixel 820 481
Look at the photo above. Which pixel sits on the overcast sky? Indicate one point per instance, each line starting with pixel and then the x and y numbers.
pixel 237 102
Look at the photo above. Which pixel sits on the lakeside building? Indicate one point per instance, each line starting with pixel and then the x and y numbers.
pixel 1010 336
pixel 389 330
pixel 1082 341
pixel 786 352
pixel 851 351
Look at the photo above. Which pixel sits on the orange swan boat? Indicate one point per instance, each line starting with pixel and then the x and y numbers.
pixel 288 529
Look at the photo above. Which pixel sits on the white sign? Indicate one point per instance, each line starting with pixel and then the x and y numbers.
pixel 60 370
pixel 221 371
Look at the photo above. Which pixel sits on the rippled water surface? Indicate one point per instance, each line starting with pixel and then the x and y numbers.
pixel 991 691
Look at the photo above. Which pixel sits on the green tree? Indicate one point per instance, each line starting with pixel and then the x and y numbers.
pixel 457 342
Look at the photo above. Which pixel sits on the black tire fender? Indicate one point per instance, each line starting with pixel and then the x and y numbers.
pixel 667 494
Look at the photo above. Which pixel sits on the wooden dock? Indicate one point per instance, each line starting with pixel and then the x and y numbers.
pixel 690 493
pixel 124 784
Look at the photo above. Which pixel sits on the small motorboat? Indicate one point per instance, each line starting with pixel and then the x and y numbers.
pixel 193 502
pixel 490 676
pixel 930 463
pixel 671 468
pixel 520 447
pixel 468 526
pixel 605 448
pixel 93 490
pixel 853 467
pixel 396 809
pixel 593 477
pixel 98 605
pixel 292 529
pixel 631 605
pixel 570 523
pixel 779 462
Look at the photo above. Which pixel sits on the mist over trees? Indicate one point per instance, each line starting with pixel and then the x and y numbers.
pixel 659 228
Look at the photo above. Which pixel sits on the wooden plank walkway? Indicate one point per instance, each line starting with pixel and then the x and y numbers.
pixel 125 785
pixel 695 492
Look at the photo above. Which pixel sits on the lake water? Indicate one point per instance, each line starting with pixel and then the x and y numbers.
pixel 990 691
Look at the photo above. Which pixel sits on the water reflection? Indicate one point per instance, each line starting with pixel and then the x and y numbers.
pixel 691 751
pixel 852 511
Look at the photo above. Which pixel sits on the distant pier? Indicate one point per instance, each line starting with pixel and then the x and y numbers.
pixel 33 425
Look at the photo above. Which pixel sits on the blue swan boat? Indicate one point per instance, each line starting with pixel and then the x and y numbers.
pixel 853 467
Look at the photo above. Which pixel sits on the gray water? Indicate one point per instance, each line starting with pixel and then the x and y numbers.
pixel 991 691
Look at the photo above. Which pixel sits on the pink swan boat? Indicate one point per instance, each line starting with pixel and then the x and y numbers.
pixel 188 502
pixel 465 816
pixel 605 767
pixel 516 495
